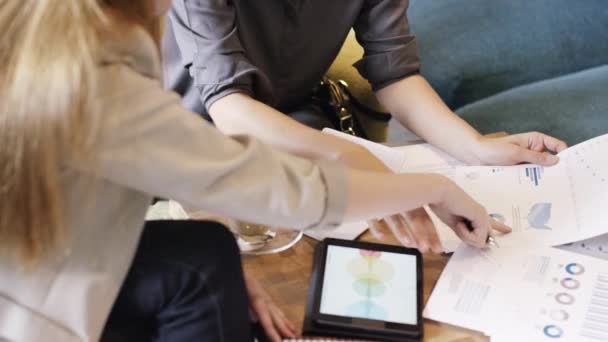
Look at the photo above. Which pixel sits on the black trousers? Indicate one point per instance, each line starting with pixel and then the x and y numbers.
pixel 185 284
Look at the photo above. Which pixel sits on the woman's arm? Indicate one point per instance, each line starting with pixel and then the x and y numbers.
pixel 155 146
pixel 417 106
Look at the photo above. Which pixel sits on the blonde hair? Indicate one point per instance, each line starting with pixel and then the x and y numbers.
pixel 47 110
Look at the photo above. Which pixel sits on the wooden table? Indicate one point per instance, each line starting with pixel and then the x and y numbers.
pixel 286 275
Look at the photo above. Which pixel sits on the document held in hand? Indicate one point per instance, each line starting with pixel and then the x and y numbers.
pixel 564 201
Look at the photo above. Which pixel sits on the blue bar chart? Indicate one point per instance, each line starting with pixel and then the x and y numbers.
pixel 534 174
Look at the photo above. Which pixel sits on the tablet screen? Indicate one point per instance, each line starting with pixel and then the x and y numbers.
pixel 370 284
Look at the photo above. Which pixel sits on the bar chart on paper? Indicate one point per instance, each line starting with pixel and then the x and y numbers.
pixel 534 174
pixel 595 325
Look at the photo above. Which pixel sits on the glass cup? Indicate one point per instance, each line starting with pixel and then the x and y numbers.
pixel 258 239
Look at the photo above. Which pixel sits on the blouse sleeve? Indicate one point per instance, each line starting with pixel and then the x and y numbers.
pixel 207 36
pixel 154 145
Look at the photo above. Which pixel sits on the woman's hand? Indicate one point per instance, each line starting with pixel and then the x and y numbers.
pixel 413 229
pixel 456 206
pixel 519 148
pixel 263 309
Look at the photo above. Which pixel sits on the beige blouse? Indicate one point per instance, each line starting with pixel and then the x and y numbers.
pixel 151 146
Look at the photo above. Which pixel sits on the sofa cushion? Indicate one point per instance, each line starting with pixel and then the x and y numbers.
pixel 471 49
pixel 573 108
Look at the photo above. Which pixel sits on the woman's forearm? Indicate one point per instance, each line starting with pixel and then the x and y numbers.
pixel 417 106
pixel 371 195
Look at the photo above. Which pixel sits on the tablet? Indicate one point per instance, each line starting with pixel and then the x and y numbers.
pixel 365 290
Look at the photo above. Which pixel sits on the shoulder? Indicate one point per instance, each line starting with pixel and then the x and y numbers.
pixel 127 62
pixel 122 81
pixel 129 75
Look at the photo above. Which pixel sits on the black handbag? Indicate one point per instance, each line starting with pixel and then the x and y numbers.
pixel 343 109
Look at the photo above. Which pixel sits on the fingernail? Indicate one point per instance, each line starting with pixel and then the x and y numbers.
pixel 552 158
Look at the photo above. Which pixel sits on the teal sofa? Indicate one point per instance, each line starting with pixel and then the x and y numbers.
pixel 508 65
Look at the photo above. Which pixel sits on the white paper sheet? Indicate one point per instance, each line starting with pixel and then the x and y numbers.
pixel 522 292
pixel 564 201
pixel 166 210
pixel 426 158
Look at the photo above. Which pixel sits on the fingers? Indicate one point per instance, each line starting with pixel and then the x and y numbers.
pixel 477 237
pixel 424 230
pixel 272 319
pixel 399 228
pixel 532 146
pixel 474 238
pixel 539 142
pixel 551 143
pixel 414 229
pixel 500 227
pixel 376 228
pixel 284 326
pixel 529 156
pixel 477 233
pixel 262 310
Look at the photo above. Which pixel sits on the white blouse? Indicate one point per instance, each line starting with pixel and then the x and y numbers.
pixel 151 146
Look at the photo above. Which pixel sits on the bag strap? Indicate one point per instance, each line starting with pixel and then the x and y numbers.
pixel 363 109
pixel 339 100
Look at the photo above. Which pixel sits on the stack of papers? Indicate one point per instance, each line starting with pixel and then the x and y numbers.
pixel 563 201
pixel 526 290
pixel 548 281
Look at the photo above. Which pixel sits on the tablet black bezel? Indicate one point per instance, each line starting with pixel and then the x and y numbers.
pixel 363 324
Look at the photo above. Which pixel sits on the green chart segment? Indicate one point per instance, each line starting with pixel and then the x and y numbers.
pixel 371 274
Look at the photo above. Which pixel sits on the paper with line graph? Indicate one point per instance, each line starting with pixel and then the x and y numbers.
pixel 565 201
pixel 526 198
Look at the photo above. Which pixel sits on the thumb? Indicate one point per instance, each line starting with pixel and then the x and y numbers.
pixel 528 156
